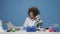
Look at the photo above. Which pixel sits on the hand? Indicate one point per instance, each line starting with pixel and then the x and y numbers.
pixel 37 18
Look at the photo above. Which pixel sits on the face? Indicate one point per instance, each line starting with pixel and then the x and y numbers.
pixel 31 15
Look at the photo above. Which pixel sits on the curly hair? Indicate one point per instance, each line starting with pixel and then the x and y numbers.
pixel 34 10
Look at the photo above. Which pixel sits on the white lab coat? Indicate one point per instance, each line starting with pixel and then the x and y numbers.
pixel 29 22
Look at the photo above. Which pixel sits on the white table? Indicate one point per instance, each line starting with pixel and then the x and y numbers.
pixel 30 33
pixel 23 32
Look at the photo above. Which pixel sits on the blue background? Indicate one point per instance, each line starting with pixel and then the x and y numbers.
pixel 16 11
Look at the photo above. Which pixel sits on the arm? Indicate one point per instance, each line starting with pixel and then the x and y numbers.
pixel 25 23
pixel 39 21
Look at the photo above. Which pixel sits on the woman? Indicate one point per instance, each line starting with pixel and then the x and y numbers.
pixel 33 17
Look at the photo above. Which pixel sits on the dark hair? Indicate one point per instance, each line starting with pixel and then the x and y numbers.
pixel 34 10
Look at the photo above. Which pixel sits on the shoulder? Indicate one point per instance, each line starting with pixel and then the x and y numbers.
pixel 27 18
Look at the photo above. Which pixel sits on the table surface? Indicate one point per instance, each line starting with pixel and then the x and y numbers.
pixel 24 32
pixel 30 33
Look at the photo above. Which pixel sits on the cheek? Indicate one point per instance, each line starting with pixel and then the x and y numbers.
pixel 31 15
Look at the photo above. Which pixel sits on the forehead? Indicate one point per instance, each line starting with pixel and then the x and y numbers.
pixel 31 11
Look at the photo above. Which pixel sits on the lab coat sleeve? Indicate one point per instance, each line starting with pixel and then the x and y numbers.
pixel 26 23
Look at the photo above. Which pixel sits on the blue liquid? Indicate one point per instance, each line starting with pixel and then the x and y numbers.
pixel 31 29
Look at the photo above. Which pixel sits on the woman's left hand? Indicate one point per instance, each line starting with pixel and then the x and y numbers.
pixel 37 18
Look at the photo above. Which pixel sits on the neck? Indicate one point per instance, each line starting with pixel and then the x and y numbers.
pixel 32 19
